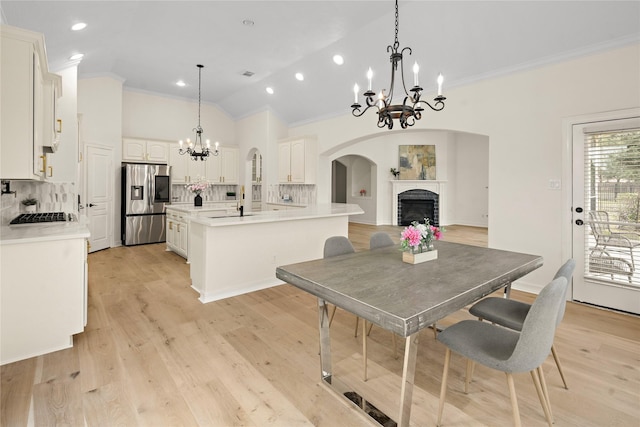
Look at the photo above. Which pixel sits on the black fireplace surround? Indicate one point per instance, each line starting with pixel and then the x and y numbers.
pixel 416 205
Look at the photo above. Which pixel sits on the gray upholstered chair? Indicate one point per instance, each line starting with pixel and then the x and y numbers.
pixel 511 313
pixel 506 350
pixel 380 240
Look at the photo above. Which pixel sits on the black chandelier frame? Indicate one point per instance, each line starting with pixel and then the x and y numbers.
pixel 412 106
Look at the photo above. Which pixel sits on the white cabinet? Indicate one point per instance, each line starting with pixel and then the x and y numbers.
pixel 177 233
pixel 256 168
pixel 183 169
pixel 141 150
pixel 41 308
pixel 223 168
pixel 297 161
pixel 52 125
pixel 23 64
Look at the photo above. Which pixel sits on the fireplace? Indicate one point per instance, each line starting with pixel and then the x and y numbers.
pixel 434 191
pixel 418 204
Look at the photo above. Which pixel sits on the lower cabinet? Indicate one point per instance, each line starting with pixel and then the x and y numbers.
pixel 178 222
pixel 177 233
pixel 42 307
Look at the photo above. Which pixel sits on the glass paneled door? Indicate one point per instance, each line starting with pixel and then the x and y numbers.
pixel 606 213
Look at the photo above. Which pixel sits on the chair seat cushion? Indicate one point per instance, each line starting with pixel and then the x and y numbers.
pixel 482 342
pixel 505 312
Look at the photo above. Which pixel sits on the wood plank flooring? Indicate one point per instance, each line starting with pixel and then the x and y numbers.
pixel 153 355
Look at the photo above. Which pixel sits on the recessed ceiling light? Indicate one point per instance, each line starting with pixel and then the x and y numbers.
pixel 299 76
pixel 79 26
pixel 76 56
pixel 180 83
pixel 270 90
pixel 338 59
pixel 248 22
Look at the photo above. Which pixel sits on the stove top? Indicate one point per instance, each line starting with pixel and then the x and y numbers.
pixel 40 217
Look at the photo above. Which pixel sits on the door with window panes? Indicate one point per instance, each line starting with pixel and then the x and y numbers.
pixel 606 213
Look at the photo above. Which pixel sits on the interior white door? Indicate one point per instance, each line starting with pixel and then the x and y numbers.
pixel 606 275
pixel 99 195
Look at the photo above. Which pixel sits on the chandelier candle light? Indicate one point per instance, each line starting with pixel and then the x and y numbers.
pixel 411 108
pixel 192 147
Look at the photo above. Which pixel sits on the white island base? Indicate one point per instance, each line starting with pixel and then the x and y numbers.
pixel 237 255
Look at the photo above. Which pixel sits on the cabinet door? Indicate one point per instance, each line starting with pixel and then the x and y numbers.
pixel 297 161
pixel 157 151
pixel 183 237
pixel 178 163
pixel 171 231
pixel 38 118
pixel 213 169
pixel 284 162
pixel 197 169
pixel 134 149
pixel 229 165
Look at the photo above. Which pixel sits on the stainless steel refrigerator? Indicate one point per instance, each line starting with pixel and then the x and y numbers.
pixel 146 190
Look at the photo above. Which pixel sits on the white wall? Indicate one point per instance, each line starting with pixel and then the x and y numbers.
pixel 469 180
pixel 100 110
pixel 522 116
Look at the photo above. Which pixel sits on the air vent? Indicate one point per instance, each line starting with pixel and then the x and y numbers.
pixel 248 73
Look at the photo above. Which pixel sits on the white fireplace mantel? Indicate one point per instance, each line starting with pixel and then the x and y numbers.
pixel 438 187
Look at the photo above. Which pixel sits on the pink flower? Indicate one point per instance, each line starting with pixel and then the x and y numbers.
pixel 412 235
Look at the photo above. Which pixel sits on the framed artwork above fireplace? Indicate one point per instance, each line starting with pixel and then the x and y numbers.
pixel 417 162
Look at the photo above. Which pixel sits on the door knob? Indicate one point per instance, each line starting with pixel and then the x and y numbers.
pixel 579 210
pixel 91 205
pixel 579 222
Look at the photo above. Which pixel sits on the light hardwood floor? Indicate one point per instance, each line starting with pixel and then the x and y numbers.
pixel 153 355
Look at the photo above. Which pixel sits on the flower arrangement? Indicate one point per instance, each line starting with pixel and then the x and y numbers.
pixel 363 192
pixel 395 172
pixel 418 237
pixel 198 187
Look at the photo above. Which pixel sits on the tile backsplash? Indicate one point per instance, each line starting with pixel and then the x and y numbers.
pixel 51 197
pixel 179 193
pixel 298 193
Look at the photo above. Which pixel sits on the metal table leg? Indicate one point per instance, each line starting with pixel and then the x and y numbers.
pixel 408 376
pixel 325 341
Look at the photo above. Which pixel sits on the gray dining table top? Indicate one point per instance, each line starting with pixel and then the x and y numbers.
pixel 378 286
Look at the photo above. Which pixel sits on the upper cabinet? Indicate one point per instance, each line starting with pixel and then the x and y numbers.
pixel 24 111
pixel 297 160
pixel 223 168
pixel 256 168
pixel 183 169
pixel 141 150
pixel 52 124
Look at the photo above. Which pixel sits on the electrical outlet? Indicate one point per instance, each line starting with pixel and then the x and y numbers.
pixel 554 184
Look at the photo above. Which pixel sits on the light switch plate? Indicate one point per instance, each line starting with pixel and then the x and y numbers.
pixel 554 184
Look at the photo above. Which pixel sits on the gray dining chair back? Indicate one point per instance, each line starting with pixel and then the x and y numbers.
pixel 512 313
pixel 380 240
pixel 565 271
pixel 337 245
pixel 507 350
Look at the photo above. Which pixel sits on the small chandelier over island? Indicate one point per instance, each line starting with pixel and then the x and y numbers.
pixel 192 147
pixel 412 106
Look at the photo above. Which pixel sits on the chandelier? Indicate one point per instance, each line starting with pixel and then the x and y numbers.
pixel 412 106
pixel 192 147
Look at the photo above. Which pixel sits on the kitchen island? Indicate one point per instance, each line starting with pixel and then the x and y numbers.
pixel 234 255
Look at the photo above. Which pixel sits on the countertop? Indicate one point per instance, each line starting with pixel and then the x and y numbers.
pixel 34 233
pixel 333 209
pixel 189 208
pixel 283 203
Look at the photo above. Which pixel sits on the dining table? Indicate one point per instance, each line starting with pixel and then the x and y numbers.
pixel 377 286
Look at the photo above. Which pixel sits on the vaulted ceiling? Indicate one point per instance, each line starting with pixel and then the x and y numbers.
pixel 150 45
